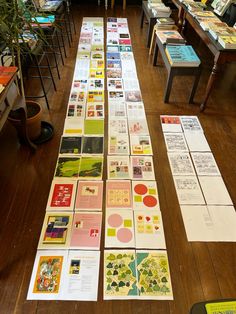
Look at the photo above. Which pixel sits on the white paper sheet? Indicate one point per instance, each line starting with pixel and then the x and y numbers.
pixel 181 164
pixel 80 280
pixel 214 190
pixel 210 223
pixel 175 142
pixel 205 164
pixel 196 142
pixel 188 190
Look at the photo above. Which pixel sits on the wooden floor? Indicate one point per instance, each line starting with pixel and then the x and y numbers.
pixel 199 271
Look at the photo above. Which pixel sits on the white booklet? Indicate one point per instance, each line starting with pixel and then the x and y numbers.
pixel 196 142
pixel 171 124
pixel 210 223
pixel 118 145
pixel 205 164
pixel 149 232
pixel 80 279
pixel 141 145
pixel 214 190
pixel 131 84
pixel 175 142
pixel 46 278
pixel 136 111
pixel 138 127
pixel 181 164
pixel 119 229
pixel 188 190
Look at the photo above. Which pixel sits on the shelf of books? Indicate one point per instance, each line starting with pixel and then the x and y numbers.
pixel 207 209
pixel 135 258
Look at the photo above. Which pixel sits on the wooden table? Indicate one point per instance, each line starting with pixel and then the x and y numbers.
pixel 151 20
pixel 17 103
pixel 221 55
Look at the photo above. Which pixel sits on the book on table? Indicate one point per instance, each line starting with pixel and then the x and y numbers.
pixel 170 37
pixel 227 42
pixel 165 21
pixel 6 73
pixel 182 55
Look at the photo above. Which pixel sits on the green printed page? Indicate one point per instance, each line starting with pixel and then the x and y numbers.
pixel 153 275
pixel 91 167
pixel 221 307
pixel 119 274
pixel 94 127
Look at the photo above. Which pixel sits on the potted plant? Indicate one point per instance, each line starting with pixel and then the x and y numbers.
pixel 15 18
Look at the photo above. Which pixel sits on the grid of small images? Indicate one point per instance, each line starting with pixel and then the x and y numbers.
pixel 135 257
pixel 67 261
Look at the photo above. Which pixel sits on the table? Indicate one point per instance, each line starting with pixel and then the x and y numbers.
pixel 174 71
pixel 16 102
pixel 221 55
pixel 151 20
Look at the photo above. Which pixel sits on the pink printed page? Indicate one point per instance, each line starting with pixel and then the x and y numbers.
pixel 89 195
pixel 118 194
pixel 86 231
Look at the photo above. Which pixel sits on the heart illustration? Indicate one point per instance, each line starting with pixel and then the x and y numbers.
pixel 140 217
pixel 156 227
pixel 148 218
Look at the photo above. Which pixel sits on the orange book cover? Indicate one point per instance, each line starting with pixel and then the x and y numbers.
pixel 6 73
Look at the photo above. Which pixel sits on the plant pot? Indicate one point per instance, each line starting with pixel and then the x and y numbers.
pixel 33 122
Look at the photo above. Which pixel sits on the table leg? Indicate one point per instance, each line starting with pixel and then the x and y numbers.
pixel 210 84
pixel 180 19
pixel 106 4
pixel 151 24
pixel 142 18
pixel 124 4
pixel 196 80
pixel 155 55
pixel 168 86
pixel 112 3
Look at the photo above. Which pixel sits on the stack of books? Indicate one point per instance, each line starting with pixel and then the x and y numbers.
pixel 165 22
pixel 227 42
pixel 182 56
pixel 220 29
pixel 172 37
pixel 160 10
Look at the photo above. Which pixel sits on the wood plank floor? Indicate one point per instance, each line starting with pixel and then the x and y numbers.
pixel 199 271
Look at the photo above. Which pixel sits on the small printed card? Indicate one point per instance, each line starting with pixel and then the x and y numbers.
pixel 142 168
pixel 145 195
pixel 118 167
pixel 118 145
pixel 140 145
pixel 89 196
pixel 118 194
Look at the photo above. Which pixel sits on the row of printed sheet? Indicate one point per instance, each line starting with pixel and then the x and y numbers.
pixel 62 271
pixel 133 217
pixel 205 203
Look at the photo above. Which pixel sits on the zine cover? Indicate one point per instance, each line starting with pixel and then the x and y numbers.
pixel 62 195
pixel 119 275
pixel 145 195
pixel 175 142
pixel 97 64
pixel 92 145
pixel 133 96
pixel 96 73
pixel 181 164
pixel 138 127
pixel 78 96
pixel 205 164
pixel 171 124
pixel 149 232
pixel 75 110
pixel 80 85
pixel 70 145
pixel 94 127
pixel 91 167
pixel 119 229
pixel 190 123
pixel 188 190
pixel 135 110
pixel 56 230
pixel 131 84
pixel 117 127
pixel 118 145
pixel 140 145
pixel 95 111
pixel 142 168
pixel 80 278
pixel 86 231
pixel 95 96
pixel 118 194
pixel 114 73
pixel 153 275
pixel 196 142
pixel 74 126
pixel 114 85
pixel 68 167
pixel 89 196
pixel 115 96
pixel 45 282
pixel 96 84
pixel 118 167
